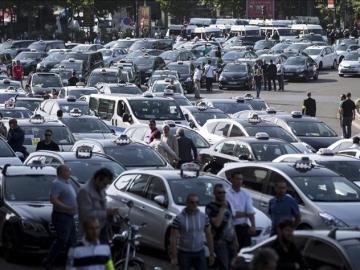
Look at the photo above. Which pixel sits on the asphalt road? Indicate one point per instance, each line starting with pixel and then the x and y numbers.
pixel 326 90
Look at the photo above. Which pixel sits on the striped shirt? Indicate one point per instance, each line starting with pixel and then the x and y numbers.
pixel 87 256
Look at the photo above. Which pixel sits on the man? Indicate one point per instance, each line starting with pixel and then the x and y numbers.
pixel 91 200
pixel 18 71
pixel 73 80
pixel 272 72
pixel 280 75
pixel 54 94
pixel 197 81
pixel 283 206
pixel 47 143
pixel 309 106
pixel 264 259
pixel 89 253
pixel 153 129
pixel 63 199
pixel 16 137
pixel 3 129
pixel 347 112
pixel 220 215
pixel 187 149
pixel 170 139
pixel 290 257
pixel 163 149
pixel 209 76
pixel 242 209
pixel 264 68
pixel 187 240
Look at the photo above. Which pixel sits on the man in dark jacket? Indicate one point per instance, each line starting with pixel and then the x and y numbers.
pixel 73 80
pixel 264 68
pixel 16 137
pixel 47 143
pixel 309 106
pixel 272 74
pixel 187 149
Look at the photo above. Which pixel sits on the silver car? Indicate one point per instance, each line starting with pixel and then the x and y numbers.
pixel 160 195
pixel 326 199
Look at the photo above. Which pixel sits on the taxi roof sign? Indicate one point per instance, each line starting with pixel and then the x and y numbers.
pixel 189 167
pixel 75 112
pixel 254 118
pixel 325 152
pixel 122 139
pixel 37 119
pixel 84 151
pixel 304 164
pixel 296 114
pixel 262 136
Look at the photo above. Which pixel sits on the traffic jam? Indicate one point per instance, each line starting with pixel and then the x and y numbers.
pixel 203 180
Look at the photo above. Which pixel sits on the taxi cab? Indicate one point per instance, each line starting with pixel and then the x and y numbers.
pixel 131 154
pixel 185 69
pixel 25 220
pixel 9 110
pixel 160 195
pixel 77 91
pixel 104 75
pixel 159 86
pixel 120 112
pixel 255 103
pixel 35 127
pixel 50 107
pixel 326 199
pixel 228 106
pixel 82 162
pixel 30 103
pixel 7 155
pixel 179 99
pixel 308 129
pixel 86 126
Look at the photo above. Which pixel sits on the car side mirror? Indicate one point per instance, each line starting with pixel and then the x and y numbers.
pixel 126 118
pixel 20 156
pixel 160 199
pixel 192 124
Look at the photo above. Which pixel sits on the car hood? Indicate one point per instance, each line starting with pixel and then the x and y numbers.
pixel 319 142
pixel 10 160
pixel 293 67
pixel 37 211
pixel 343 211
pixel 346 63
pixel 97 136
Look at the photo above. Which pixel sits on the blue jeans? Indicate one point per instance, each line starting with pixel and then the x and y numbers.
pixel 65 235
pixel 225 252
pixel 258 89
pixel 187 260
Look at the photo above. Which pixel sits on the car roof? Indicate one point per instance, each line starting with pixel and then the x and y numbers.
pixel 80 87
pixel 317 157
pixel 288 117
pixel 28 170
pixel 110 142
pixel 65 101
pixel 199 109
pixel 49 123
pixel 83 116
pixel 71 156
pixel 245 122
pixel 252 140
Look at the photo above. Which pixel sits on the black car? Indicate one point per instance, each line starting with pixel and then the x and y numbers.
pixel 177 55
pixel 25 211
pixel 29 60
pixel 228 106
pixel 14 47
pixel 42 83
pixel 159 44
pixel 235 149
pixel 147 64
pixel 92 60
pixel 46 45
pixel 301 67
pixel 186 71
pixel 265 44
pixel 50 61
pixel 234 55
pixel 236 75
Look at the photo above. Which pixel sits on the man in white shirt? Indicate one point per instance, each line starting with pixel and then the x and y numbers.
pixel 163 149
pixel 197 81
pixel 209 75
pixel 280 75
pixel 242 209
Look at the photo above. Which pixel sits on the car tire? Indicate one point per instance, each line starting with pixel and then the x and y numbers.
pixel 10 244
pixel 334 66
pixel 341 75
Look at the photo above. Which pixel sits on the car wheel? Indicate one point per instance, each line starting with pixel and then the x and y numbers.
pixel 10 244
pixel 334 65
pixel 320 65
pixel 341 75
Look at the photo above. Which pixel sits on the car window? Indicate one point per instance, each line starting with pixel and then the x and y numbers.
pixel 139 133
pixel 156 188
pixel 137 187
pixel 241 149
pixel 123 181
pixel 236 132
pixel 222 129
pixel 228 148
pixel 254 178
pixel 349 153
pixel 106 109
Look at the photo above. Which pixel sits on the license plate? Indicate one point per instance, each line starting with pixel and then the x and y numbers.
pixel 232 82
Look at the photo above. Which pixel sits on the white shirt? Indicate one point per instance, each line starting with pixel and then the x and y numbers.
pixel 197 74
pixel 280 69
pixel 240 202
pixel 209 71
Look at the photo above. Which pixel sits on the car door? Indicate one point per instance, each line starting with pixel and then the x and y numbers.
pixel 156 216
pixel 221 131
pixel 225 153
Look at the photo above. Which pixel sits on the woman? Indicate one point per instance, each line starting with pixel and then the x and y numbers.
pixel 258 81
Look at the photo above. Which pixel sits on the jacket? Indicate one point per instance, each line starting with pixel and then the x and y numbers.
pixel 272 71
pixel 17 72
pixel 16 139
pixel 309 107
pixel 186 146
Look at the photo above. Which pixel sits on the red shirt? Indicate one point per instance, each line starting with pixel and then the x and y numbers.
pixel 17 72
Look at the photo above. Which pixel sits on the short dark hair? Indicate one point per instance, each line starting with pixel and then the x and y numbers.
pixel 280 181
pixel 152 121
pixel 60 168
pixel 59 113
pixel 348 95
pixel 218 185
pixel 263 258
pixel 285 224
pixel 233 174
pixel 1 116
pixel 48 131
pixel 13 121
pixel 209 61
pixel 309 94
pixel 191 195
pixel 104 173
pixel 356 139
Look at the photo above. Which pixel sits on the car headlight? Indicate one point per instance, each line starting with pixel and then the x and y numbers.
pixel 33 227
pixel 332 221
pixel 38 66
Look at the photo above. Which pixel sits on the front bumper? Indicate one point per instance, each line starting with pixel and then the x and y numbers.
pixel 294 75
pixel 233 83
pixel 350 71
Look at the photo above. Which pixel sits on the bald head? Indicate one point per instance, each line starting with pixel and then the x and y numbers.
pixel 63 172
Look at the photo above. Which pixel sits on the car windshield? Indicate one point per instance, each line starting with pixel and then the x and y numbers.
pixel 61 135
pixel 352 57
pixel 28 188
pixel 84 169
pixel 285 32
pixel 81 48
pixel 313 51
pixel 144 61
pixel 298 47
pixel 14 113
pixel 235 68
pixel 27 56
pixel 328 188
pixel 231 107
pixel 140 44
pixel 202 117
pixel 313 37
pixel 82 106
pixel 135 156
pixel 86 125
pixel 257 104
pixel 77 56
pixel 233 55
pixel 106 53
pixel 268 151
pixel 273 131
pixel 55 56
pixel 349 169
pixel 77 66
pixel 160 87
pixel 181 69
pixel 83 92
pixel 311 129
pixel 45 81
pixel 125 89
pixel 169 55
pixel 295 61
pixel 156 109
pixel 5 150
pixel 103 77
pixel 28 104
pixel 202 186
pixel 182 101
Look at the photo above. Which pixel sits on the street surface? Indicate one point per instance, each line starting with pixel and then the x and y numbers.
pixel 326 90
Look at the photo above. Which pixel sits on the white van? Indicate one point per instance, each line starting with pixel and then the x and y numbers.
pixel 285 33
pixel 119 112
pixel 245 30
pixel 302 29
